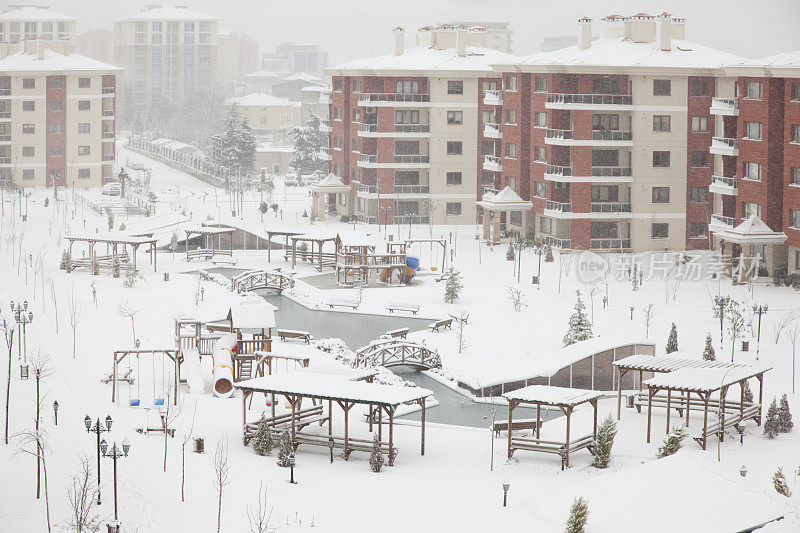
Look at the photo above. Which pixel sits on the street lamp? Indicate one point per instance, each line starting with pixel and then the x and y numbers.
pixel 55 410
pixel 740 428
pixel 505 493
pixel 562 452
pixel 291 468
pixel 115 453
pixel 759 310
pixel 743 471
pixel 23 317
pixel 330 445
pixel 97 428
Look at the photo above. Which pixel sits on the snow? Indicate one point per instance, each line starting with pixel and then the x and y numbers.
pixel 168 12
pixel 253 315
pixel 667 363
pixel 505 200
pixel 28 13
pixel 705 379
pixel 553 395
pixel 258 100
pixel 422 58
pixel 53 61
pixel 752 231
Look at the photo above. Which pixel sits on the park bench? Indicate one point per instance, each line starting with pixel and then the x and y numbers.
pixel 441 324
pixel 343 302
pixel 398 306
pixel 395 333
pixel 280 423
pixel 230 261
pixel 294 334
pixel 731 419
pixel 678 403
pixel 549 446
pixel 353 445
pixel 502 425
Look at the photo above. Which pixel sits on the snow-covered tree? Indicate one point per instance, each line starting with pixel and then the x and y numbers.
pixel 308 142
pixel 110 220
pixel 285 448
pixel 748 394
pixel 130 277
pixel 580 328
pixel 115 266
pixel 228 155
pixel 578 516
pixel 672 442
pixel 736 326
pixel 452 286
pixel 772 425
pixel 548 254
pixel 515 296
pixel 649 313
pixel 246 145
pixel 604 442
pixel 672 340
pixel 66 261
pixel 95 265
pixel 510 253
pixel 262 440
pixel 376 458
pixel 785 423
pixel 708 352
pixel 779 482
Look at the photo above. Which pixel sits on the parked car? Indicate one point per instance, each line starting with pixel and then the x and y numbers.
pixel 111 189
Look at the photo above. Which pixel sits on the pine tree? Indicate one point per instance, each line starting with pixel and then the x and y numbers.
pixel 110 220
pixel 228 154
pixel 748 394
pixel 672 443
pixel 65 260
pixel 115 267
pixel 510 254
pixel 604 442
pixel 548 254
pixel 771 424
pixel 376 459
pixel 308 142
pixel 580 328
pixel 634 279
pixel 708 352
pixel 785 423
pixel 452 286
pixel 672 340
pixel 578 516
pixel 285 448
pixel 262 440
pixel 95 265
pixel 122 227
pixel 246 147
pixel 779 482
pixel 130 277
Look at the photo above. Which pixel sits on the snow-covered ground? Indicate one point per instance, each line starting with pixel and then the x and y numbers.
pixel 451 487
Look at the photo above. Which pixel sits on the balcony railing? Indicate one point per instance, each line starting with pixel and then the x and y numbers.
pixel 611 171
pixel 5 114
pixel 5 138
pixel 721 219
pixel 592 99
pixel 368 189
pixel 611 135
pixel 492 130
pixel 409 158
pixel 5 92
pixel 561 207
pixel 372 128
pixel 724 142
pixel 367 158
pixel 493 97
pixel 108 135
pixel 108 90
pixel 724 105
pixel 555 242
pixel 394 97
pixel 5 160
pixel 108 157
pixel 410 219
pixel 559 134
pixel 491 162
pixel 558 170
pixel 724 180
pixel 412 128
pixel 490 191
pixel 611 207
pixel 411 189
pixel 108 113
pixel 609 244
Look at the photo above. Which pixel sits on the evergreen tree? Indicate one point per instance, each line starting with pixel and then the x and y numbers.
pixel 376 459
pixel 122 227
pixel 548 254
pixel 452 286
pixel 173 242
pixel 708 352
pixel 748 394
pixel 634 279
pixel 771 424
pixel 285 448
pixel 785 423
pixel 115 266
pixel 65 260
pixel 130 277
pixel 673 442
pixel 580 328
pixel 110 220
pixel 228 153
pixel 246 147
pixel 604 442
pixel 510 254
pixel 262 440
pixel 578 516
pixel 779 482
pixel 672 340
pixel 94 265
pixel 308 142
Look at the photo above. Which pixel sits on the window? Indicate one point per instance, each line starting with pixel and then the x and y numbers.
pixel 661 122
pixel 406 116
pixel 605 158
pixel 84 127
pixel 407 208
pixel 406 147
pixel 29 105
pixel 794 178
pixel 698 195
pixel 455 87
pixel 356 145
pixel 749 209
pixel 515 218
pixel 407 87
pixel 28 151
pixel 697 230
pixel 455 117
pixel 699 159
pixel 487 179
pixel 453 208
pixel 487 148
pixel 660 195
pixel 751 171
pixel 511 116
pixel 84 83
pixel 795 134
pixel 342 199
pixel 752 131
pixel 540 119
pixel 699 123
pixel 753 90
pixel 56 83
pixel 56 127
pixel 604 86
pixel 546 225
pixel 662 87
pixel 84 150
pixel 660 159
pixel 511 83
pixel 487 117
pixel 699 87
pixel 540 189
pixel 28 128
pixel 28 83
pixel 540 84
pixel 796 92
pixel 356 86
pixel 606 122
pixel 84 173
pixel 56 105
pixel 511 150
pixel 794 218
pixel 28 174
pixel 453 178
pixel 454 148
pixel 491 85
pixel 56 151
pixel 659 230
pixel 84 105
pixel 605 193
pixel 540 154
pixel 337 143
pixel 337 113
pixel 337 85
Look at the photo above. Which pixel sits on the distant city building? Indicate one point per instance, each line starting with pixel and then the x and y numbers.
pixel 21 22
pixel 499 35
pixel 168 52
pixel 557 42
pixel 314 100
pixel 292 86
pixel 270 117
pixel 57 115
pixel 97 44
pixel 239 54
pixel 293 58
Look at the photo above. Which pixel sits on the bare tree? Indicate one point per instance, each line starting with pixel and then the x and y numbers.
pixel 792 335
pixel 168 416
pixel 127 312
pixel 515 296
pixel 648 311
pixel 784 320
pixel 38 269
pixel 35 443
pixel 40 364
pixel 186 438
pixel 222 469
pixel 261 517
pixel 592 291
pixel 564 263
pixel 82 497
pixel 736 324
pixel 75 307
pixel 8 334
pixel 462 319
pixel 52 286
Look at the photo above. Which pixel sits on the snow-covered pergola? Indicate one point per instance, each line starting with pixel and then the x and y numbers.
pixel 493 203
pixel 209 234
pixel 323 191
pixel 112 243
pixel 285 235
pixel 319 257
pixel 565 399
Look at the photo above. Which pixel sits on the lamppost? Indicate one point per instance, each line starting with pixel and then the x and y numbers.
pixel 759 310
pixel 115 453
pixel 539 250
pixel 291 468
pixel 562 452
pixel 330 445
pixel 97 429
pixel 743 471
pixel 506 486
pixel 740 428
pixel 23 317
pixel 721 302
pixel 55 410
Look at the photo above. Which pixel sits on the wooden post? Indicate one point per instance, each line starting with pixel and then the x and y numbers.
pixel 722 393
pixel 669 406
pixel 649 411
pixel 294 253
pixel 422 433
pixel 511 405
pixel 330 418
pixel 688 404
pixel 114 378
pixel 594 430
pixel 380 423
pixel 176 380
pixel 273 403
pixel 760 397
pixel 741 400
pixel 292 401
pixel 391 435
pixel 620 372
pixel 538 420
pixel 346 409
pixel 244 417
pixel 370 418
pixel 705 418
pixel 568 411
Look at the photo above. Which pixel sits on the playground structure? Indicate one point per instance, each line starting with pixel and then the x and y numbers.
pixel 113 242
pixel 159 397
pixel 397 351
pixel 211 238
pixel 262 279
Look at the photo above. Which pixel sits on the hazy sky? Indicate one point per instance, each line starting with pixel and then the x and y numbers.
pixel 354 28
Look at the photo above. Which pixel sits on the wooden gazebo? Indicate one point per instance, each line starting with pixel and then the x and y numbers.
pixel 113 242
pixel 565 399
pixel 212 242
pixel 316 255
pixel 285 235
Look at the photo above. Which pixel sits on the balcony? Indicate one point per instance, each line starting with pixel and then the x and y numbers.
pixel 367 158
pixel 108 91
pixel 108 113
pixel 558 207
pixel 5 114
pixel 393 99
pixel 364 129
pixel 559 137
pixel 611 207
pixel 368 189
pixel 108 157
pixel 721 221
pixel 5 138
pixel 609 244
pixel 557 173
pixel 492 163
pixel 5 92
pixel 411 189
pixel 325 153
pixel 612 171
pixel 413 159
pixel 555 242
pixel 493 98
pixel 493 131
pixel 725 106
pixel 410 219
pixel 724 146
pixel 724 185
pixel 108 135
pixel 589 101
pixel 412 128
pixel 612 135
pixel 399 130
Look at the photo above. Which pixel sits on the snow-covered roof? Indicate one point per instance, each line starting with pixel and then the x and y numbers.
pixel 258 99
pixel 546 394
pixel 423 58
pixel 304 76
pixel 784 60
pixel 752 231
pixel 704 379
pixel 330 183
pixel 53 61
pixel 263 74
pixel 168 12
pixel 208 230
pixel 267 147
pixel 174 145
pixel 252 315
pixel 668 363
pixel 349 373
pixel 315 89
pixel 33 13
pixel 315 385
pixel 505 200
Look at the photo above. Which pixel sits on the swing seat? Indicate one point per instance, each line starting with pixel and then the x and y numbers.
pixel 134 402
pixel 158 401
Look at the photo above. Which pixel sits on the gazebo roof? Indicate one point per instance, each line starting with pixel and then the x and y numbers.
pixel 752 231
pixel 654 363
pixel 252 316
pixel 330 183
pixel 208 230
pixel 704 379
pixel 547 395
pixel 505 200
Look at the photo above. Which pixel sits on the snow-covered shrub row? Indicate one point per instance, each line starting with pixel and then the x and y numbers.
pixel 303 298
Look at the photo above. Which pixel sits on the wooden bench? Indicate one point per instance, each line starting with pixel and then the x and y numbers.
pixel 294 334
pixel 502 425
pixel 441 324
pixel 353 445
pixel 395 333
pixel 731 420
pixel 678 403
pixel 281 423
pixel 343 302
pixel 397 306
pixel 549 446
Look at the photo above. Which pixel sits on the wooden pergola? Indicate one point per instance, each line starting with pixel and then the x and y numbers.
pixel 564 398
pixel 112 243
pixel 319 257
pixel 297 386
pixel 173 354
pixel 285 235
pixel 210 248
pixel 704 382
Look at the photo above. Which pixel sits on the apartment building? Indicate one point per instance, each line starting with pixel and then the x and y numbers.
pixel 499 35
pixel 97 44
pixel 20 22
pixel 239 54
pixel 293 58
pixel 168 53
pixel 608 140
pixel 404 126
pixel 271 118
pixel 57 113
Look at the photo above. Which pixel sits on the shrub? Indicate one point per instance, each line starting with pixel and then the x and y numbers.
pixel 376 459
pixel 672 443
pixel 262 440
pixel 604 442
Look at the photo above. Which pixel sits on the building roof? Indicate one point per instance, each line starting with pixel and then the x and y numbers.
pixel 545 394
pixel 168 12
pixel 505 200
pixel 258 100
pixel 667 363
pixel 263 74
pixel 752 231
pixel 423 58
pixel 33 13
pixel 330 183
pixel 304 76
pixel 53 61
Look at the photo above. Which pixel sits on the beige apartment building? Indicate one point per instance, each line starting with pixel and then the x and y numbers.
pixel 57 113
pixel 20 22
pixel 239 54
pixel 168 52
pixel 97 44
pixel 271 118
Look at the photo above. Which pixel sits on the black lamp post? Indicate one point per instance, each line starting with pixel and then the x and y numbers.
pixel 291 468
pixel 539 250
pixel 743 471
pixel 330 445
pixel 562 452
pixel 115 453
pixel 55 410
pixel 506 486
pixel 740 429
pixel 759 310
pixel 97 428
pixel 23 317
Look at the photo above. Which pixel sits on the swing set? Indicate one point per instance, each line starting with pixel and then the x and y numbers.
pixel 160 387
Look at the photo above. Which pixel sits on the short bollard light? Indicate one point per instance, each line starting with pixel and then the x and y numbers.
pixel 199 445
pixel 330 445
pixel 291 467
pixel 743 471
pixel 740 429
pixel 562 451
pixel 506 486
pixel 55 410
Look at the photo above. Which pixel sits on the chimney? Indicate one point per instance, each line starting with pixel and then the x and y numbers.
pixel 399 40
pixel 461 41
pixel 678 29
pixel 585 38
pixel 643 28
pixel 665 31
